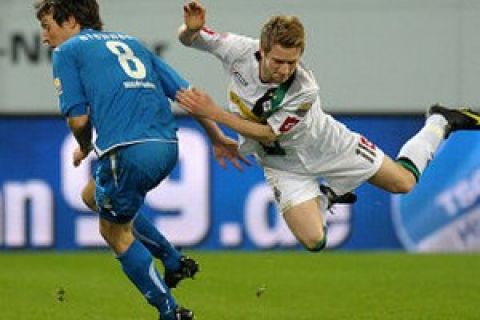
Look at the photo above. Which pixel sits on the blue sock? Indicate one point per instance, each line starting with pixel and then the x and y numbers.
pixel 137 263
pixel 156 243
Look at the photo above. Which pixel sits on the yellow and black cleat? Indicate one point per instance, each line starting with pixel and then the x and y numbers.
pixel 458 119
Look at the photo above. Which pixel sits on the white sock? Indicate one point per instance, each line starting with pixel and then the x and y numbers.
pixel 422 146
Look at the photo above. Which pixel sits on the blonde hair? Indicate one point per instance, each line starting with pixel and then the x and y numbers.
pixel 286 31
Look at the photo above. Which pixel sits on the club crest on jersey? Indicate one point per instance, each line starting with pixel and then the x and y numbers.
pixel 263 108
pixel 58 86
pixel 266 106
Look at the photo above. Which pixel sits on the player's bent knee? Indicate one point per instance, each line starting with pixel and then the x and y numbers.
pixel 404 186
pixel 105 230
pixel 88 201
pixel 118 236
pixel 315 242
pixel 318 246
pixel 88 197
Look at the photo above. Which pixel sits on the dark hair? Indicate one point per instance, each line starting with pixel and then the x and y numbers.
pixel 86 12
pixel 286 31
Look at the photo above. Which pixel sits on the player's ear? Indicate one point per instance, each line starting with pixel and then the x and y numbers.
pixel 71 22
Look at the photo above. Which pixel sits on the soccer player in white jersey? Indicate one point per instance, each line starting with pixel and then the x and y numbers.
pixel 275 107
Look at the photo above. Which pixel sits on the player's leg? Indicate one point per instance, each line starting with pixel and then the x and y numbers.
pixel 88 195
pixel 302 206
pixel 122 181
pixel 177 266
pixel 306 222
pixel 419 150
pixel 402 175
pixel 303 203
pixel 156 161
pixel 137 263
pixel 393 177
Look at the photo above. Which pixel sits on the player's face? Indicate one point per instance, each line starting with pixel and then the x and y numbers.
pixel 279 64
pixel 53 34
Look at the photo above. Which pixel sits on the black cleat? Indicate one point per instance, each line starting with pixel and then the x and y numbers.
pixel 333 198
pixel 188 269
pixel 458 119
pixel 182 314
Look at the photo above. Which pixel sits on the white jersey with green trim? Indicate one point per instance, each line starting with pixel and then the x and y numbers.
pixel 309 141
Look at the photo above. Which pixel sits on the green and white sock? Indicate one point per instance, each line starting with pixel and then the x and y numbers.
pixel 421 148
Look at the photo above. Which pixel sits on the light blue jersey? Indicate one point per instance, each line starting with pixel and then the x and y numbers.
pixel 125 89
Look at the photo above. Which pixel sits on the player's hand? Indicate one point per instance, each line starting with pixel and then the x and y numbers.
pixel 197 103
pixel 78 156
pixel 194 16
pixel 227 148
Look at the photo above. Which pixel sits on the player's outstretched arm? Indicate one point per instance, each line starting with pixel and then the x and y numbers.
pixel 223 147
pixel 82 131
pixel 193 22
pixel 200 104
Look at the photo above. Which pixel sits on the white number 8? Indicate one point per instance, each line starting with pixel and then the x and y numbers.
pixel 127 55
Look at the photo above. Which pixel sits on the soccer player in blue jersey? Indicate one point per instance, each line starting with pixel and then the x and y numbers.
pixel 110 82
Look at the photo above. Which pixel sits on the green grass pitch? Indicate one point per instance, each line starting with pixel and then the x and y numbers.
pixel 293 285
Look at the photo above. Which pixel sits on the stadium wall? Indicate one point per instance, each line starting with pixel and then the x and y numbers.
pixel 203 206
pixel 372 56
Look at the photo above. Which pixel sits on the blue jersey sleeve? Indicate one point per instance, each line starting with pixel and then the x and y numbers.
pixel 68 84
pixel 171 81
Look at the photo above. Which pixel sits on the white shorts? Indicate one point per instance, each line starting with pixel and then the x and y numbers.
pixel 290 189
pixel 345 175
